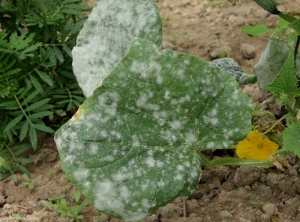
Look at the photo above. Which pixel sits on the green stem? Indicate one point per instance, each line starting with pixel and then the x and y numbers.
pixel 234 161
pixel 275 124
pixel 263 113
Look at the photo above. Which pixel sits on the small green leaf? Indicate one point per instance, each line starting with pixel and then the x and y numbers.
pixel 4 164
pixel 24 160
pixel 24 131
pixel 17 216
pixel 36 83
pixel 290 139
pixel 256 30
pixel 26 177
pixel 14 122
pixel 284 87
pixel 40 115
pixel 58 54
pixel 32 136
pixel 45 77
pixel 43 128
pixel 296 26
pixel 37 105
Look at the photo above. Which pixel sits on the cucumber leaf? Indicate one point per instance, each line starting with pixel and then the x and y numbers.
pixel 133 146
pixel 107 35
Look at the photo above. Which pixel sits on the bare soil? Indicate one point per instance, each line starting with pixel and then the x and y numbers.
pixel 209 30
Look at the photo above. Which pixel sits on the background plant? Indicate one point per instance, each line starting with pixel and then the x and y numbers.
pixel 37 84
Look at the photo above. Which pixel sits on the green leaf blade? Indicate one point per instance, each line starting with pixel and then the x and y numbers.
pixel 289 142
pixel 14 122
pixel 37 105
pixel 256 30
pixel 133 145
pixel 284 87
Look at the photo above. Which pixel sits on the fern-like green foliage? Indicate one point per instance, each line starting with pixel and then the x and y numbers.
pixel 37 84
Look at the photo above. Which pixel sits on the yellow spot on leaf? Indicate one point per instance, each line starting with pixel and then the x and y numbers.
pixel 76 115
pixel 256 147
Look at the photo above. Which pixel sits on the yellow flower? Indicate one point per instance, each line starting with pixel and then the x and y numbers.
pixel 256 147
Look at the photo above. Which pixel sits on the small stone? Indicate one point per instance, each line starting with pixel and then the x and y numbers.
pixel 218 49
pixel 246 176
pixel 248 51
pixel 225 214
pixel 273 180
pixel 2 200
pixel 269 209
pixel 152 218
pixel 265 218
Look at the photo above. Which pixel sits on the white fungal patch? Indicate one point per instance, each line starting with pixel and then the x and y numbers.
pixel 150 162
pixel 81 174
pixel 211 145
pixel 190 137
pixel 109 103
pixel 143 102
pixel 135 140
pixel 167 95
pixel 169 136
pixel 180 168
pixel 70 159
pixel 180 73
pixel 176 125
pixel 106 38
pixel 94 148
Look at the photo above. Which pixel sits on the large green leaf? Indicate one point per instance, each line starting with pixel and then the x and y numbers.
pixel 133 145
pixel 107 35
pixel 271 61
pixel 290 138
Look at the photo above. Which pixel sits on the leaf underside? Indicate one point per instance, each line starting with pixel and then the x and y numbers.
pixel 107 35
pixel 271 61
pixel 133 145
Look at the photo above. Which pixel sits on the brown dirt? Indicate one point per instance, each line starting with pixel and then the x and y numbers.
pixel 207 29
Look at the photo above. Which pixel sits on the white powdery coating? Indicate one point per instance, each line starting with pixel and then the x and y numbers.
pixel 81 175
pixel 106 38
pixel 108 197
pixel 190 137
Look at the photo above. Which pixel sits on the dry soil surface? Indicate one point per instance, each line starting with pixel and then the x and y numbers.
pixel 207 29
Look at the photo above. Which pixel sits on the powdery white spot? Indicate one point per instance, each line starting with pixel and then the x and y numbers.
pixel 190 137
pixel 210 145
pixel 81 174
pixel 180 73
pixel 135 140
pixel 169 136
pixel 93 148
pixel 161 184
pixel 109 198
pixel 179 177
pixel 70 159
pixel 109 103
pixel 150 162
pixel 176 125
pixel 167 95
pixel 180 168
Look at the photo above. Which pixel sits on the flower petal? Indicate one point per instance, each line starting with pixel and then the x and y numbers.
pixel 255 137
